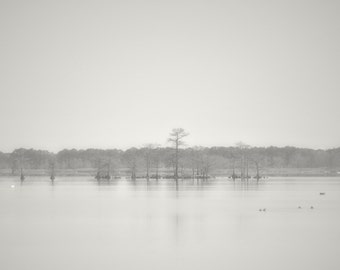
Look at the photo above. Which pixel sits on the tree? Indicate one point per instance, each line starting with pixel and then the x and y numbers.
pixel 156 156
pixel 195 160
pixel 257 159
pixel 148 155
pixel 130 157
pixel 243 150
pixel 176 139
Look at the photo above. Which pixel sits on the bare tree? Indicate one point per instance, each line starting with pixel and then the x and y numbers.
pixel 206 166
pixel 193 159
pixel 257 165
pixel 208 163
pixel 258 161
pixel 176 138
pixel 150 156
pixel 156 159
pixel 131 162
pixel 243 150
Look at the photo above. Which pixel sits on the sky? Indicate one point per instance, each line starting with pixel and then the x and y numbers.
pixel 117 74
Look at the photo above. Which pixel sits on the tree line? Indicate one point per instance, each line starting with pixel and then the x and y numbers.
pixel 152 160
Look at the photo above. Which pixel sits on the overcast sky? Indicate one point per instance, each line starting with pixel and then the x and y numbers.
pixel 115 74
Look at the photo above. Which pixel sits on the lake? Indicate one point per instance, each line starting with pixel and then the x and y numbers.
pixel 78 223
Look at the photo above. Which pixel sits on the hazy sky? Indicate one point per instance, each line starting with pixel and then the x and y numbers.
pixel 111 73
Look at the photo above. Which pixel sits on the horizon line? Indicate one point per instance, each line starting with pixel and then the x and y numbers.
pixel 162 146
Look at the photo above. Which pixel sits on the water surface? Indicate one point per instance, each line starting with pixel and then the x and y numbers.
pixel 78 223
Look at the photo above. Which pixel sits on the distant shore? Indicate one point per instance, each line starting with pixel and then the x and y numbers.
pixel 91 172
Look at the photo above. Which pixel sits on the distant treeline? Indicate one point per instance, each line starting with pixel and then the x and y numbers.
pixel 191 160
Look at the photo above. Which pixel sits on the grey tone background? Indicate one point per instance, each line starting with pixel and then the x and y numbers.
pixel 123 73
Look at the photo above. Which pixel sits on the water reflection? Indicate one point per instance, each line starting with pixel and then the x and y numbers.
pixel 196 224
pixel 246 185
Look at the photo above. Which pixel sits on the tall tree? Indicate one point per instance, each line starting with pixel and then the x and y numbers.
pixel 131 156
pixel 156 157
pixel 148 155
pixel 176 139
pixel 243 150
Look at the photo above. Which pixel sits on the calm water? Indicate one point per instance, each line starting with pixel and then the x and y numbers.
pixel 78 224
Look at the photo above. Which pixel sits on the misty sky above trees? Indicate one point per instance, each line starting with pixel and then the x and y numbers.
pixel 117 74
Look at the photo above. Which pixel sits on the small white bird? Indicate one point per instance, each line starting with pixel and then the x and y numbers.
pixel 12 186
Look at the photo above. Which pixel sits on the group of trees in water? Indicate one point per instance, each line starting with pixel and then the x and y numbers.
pixel 153 160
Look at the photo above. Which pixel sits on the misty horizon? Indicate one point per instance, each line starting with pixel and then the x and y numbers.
pixel 168 146
pixel 113 74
